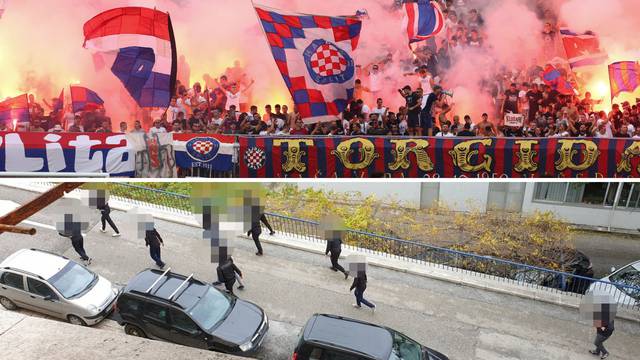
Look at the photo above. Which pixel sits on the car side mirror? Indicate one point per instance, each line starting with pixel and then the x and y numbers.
pixel 613 269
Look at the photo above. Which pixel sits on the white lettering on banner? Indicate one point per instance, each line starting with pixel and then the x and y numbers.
pixel 55 154
pixel 115 162
pixel 84 162
pixel 16 158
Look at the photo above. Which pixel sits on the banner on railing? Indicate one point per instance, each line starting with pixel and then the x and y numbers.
pixel 66 152
pixel 212 152
pixel 153 154
pixel 439 157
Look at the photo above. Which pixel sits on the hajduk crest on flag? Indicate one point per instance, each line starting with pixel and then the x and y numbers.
pixel 423 20
pixel 142 45
pixel 315 57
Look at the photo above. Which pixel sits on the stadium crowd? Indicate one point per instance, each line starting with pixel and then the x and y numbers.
pixel 221 106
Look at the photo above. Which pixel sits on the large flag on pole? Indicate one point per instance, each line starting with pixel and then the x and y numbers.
pixel 144 47
pixel 582 49
pixel 315 57
pixel 423 20
pixel 624 77
pixel 15 109
pixel 84 99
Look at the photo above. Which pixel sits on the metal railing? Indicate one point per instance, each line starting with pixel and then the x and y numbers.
pixel 473 264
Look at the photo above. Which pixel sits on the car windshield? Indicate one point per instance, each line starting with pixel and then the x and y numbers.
pixel 212 308
pixel 405 348
pixel 73 280
pixel 629 276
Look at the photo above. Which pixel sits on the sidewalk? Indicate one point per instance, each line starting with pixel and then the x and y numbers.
pixel 23 337
pixel 383 260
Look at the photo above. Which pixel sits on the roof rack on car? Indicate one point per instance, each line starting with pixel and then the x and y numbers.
pixel 179 287
pixel 158 280
pixel 25 272
pixel 49 252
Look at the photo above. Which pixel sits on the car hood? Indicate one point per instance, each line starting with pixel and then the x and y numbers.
pixel 241 324
pixel 100 295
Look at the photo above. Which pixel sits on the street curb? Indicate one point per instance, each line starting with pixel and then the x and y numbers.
pixel 391 262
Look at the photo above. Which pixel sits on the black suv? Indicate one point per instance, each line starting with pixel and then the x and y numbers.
pixel 186 311
pixel 331 337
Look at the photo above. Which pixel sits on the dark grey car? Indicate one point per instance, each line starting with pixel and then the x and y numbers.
pixel 186 311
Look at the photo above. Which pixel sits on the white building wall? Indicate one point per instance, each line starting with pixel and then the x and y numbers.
pixel 407 194
pixel 592 216
pixel 465 196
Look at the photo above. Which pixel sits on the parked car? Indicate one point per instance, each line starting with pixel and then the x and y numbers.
pixel 575 263
pixel 180 309
pixel 327 337
pixel 627 285
pixel 56 286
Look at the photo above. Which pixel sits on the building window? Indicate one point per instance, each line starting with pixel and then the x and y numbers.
pixel 550 191
pixel 591 194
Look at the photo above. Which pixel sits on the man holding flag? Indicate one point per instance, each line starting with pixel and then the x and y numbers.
pixel 315 57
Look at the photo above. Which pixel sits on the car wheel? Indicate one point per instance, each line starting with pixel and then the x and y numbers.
pixel 134 331
pixel 7 304
pixel 76 320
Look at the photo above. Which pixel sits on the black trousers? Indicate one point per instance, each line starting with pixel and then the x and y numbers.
pixel 154 252
pixel 599 343
pixel 106 218
pixel 229 285
pixel 334 262
pixel 264 220
pixel 256 240
pixel 78 246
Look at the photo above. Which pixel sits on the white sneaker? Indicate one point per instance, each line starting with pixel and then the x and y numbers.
pixel 373 309
pixel 116 235
pixel 103 230
pixel 356 306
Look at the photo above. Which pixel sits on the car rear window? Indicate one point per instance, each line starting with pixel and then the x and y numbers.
pixel 13 280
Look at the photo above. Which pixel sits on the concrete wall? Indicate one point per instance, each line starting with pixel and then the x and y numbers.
pixel 592 216
pixel 407 193
pixel 464 196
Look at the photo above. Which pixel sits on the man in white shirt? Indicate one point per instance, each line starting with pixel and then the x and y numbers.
pixel 157 128
pixel 173 110
pixel 446 130
pixel 217 119
pixel 233 96
pixel 380 109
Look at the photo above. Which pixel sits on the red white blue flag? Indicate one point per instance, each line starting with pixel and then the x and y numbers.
pixel 423 20
pixel 144 47
pixel 582 49
pixel 84 99
pixel 213 152
pixel 315 57
pixel 16 108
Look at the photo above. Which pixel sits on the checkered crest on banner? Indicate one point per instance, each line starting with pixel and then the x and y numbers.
pixel 314 56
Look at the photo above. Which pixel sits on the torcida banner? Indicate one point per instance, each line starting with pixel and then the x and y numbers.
pixel 438 157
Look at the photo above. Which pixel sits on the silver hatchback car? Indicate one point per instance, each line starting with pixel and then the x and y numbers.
pixel 56 286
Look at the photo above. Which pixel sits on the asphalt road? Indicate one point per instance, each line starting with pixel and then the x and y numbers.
pixel 462 322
